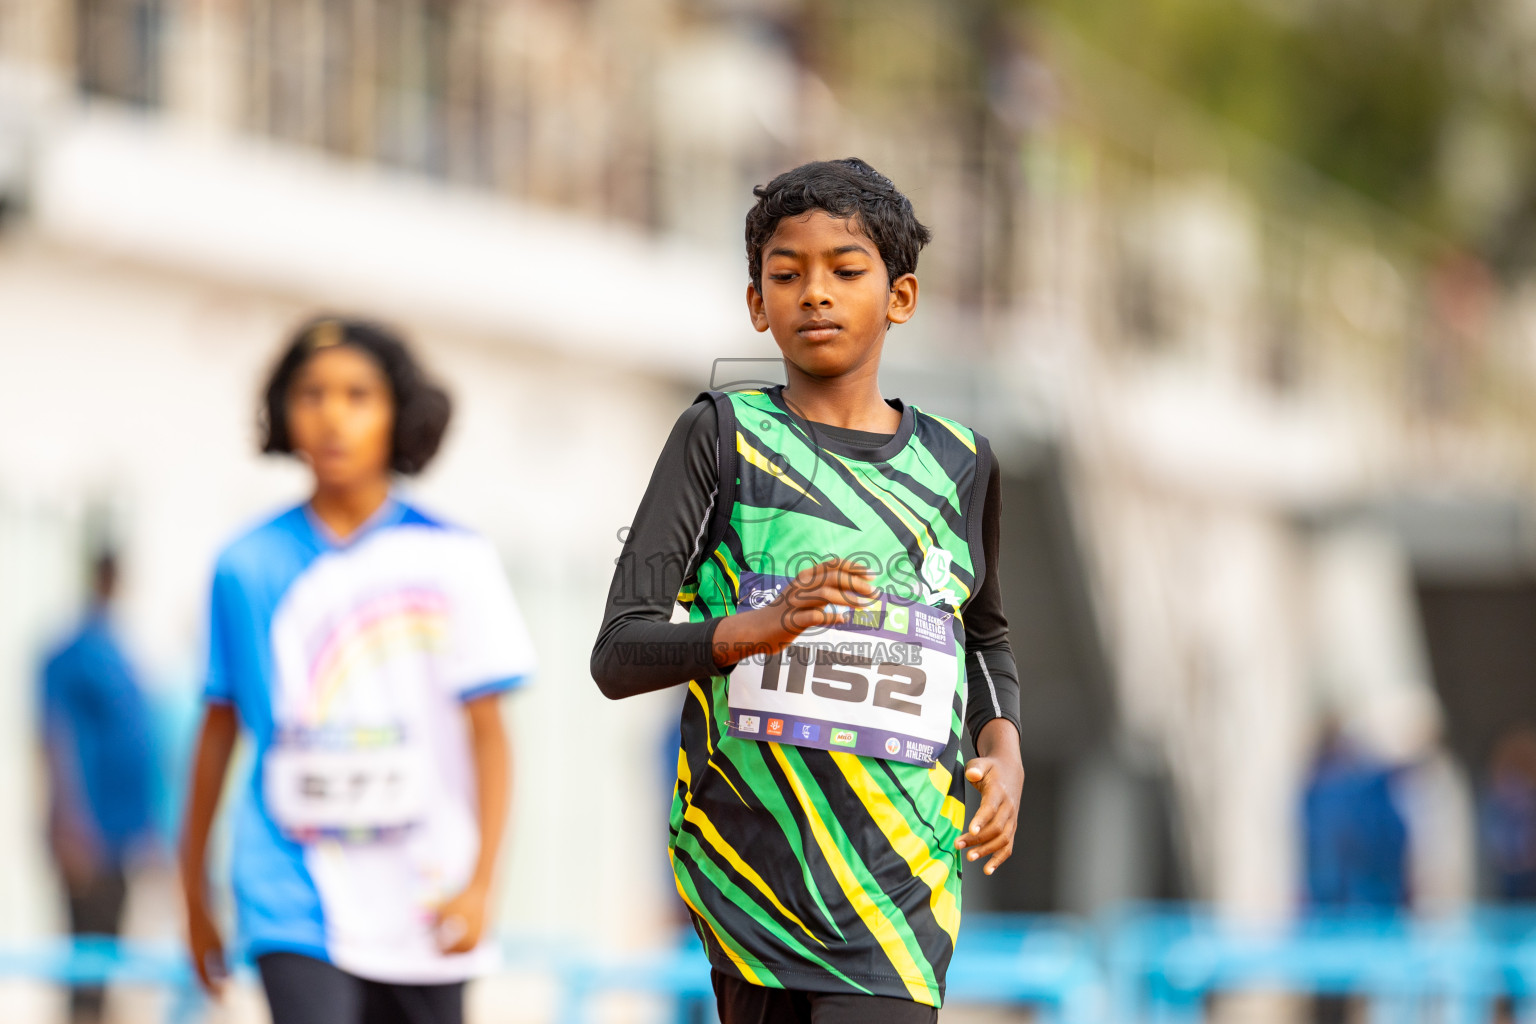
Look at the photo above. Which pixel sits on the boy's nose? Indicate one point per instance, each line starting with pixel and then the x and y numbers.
pixel 816 291
pixel 815 296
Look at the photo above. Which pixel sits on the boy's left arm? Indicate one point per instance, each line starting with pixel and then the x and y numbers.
pixel 462 920
pixel 997 772
pixel 992 707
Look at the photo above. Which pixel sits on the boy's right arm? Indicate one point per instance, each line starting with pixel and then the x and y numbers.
pixel 640 648
pixel 215 742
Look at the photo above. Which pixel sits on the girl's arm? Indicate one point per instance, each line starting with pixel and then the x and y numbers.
pixel 215 742
pixel 461 921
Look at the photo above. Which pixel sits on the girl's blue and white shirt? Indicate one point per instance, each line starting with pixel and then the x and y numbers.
pixel 348 663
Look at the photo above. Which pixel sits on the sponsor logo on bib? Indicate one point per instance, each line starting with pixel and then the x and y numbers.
pixel 896 619
pixel 775 727
pixel 762 598
pixel 867 617
pixel 893 746
pixel 845 737
pixel 807 731
pixel 748 723
pixel 920 751
pixel 929 627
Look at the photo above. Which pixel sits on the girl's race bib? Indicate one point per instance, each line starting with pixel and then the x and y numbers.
pixel 356 784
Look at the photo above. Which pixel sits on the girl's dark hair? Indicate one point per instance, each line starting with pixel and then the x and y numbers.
pixel 422 409
pixel 847 188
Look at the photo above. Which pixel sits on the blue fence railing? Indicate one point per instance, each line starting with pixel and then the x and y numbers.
pixel 1148 965
pixel 97 960
pixel 1164 965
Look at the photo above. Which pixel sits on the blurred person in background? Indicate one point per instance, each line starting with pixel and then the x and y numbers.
pixel 1509 815
pixel 100 759
pixel 364 647
pixel 1356 835
pixel 1355 839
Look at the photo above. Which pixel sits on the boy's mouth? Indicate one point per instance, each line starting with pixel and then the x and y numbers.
pixel 818 330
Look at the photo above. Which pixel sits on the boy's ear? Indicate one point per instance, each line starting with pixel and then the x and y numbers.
pixel 756 308
pixel 903 300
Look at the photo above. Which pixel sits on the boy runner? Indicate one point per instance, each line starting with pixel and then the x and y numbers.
pixel 837 556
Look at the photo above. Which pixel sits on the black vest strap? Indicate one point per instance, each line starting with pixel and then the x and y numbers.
pixel 725 471
pixel 974 514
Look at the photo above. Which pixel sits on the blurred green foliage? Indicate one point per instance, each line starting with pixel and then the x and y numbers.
pixel 1360 90
pixel 1425 106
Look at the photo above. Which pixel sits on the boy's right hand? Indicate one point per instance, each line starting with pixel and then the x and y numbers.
pixel 207 948
pixel 821 595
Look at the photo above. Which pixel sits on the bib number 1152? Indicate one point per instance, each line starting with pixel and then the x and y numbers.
pixel 881 684
pixel 846 676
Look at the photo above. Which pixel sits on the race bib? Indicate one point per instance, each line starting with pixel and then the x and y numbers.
pixel 882 684
pixel 361 785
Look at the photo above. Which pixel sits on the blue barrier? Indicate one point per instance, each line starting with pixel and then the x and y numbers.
pixel 100 960
pixel 681 974
pixel 1145 965
pixel 1047 963
pixel 1164 965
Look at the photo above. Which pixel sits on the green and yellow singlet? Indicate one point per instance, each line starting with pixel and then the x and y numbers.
pixel 814 819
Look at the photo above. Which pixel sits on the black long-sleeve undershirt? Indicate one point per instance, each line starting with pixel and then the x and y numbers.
pixel 639 648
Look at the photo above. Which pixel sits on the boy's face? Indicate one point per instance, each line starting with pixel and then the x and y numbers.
pixel 826 296
pixel 341 417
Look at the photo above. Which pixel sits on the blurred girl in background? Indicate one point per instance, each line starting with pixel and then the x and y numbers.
pixel 363 646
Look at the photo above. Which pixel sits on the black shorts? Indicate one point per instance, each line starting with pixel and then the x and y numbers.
pixel 303 990
pixel 743 1003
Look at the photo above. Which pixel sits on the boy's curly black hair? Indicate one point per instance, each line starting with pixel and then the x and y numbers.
pixel 847 188
pixel 422 409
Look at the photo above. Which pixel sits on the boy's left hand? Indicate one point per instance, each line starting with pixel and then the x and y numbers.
pixel 998 776
pixel 461 921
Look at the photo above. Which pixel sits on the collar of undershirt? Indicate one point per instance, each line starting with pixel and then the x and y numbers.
pixel 864 445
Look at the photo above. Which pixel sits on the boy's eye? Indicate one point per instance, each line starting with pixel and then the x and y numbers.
pixel 782 275
pixel 850 272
